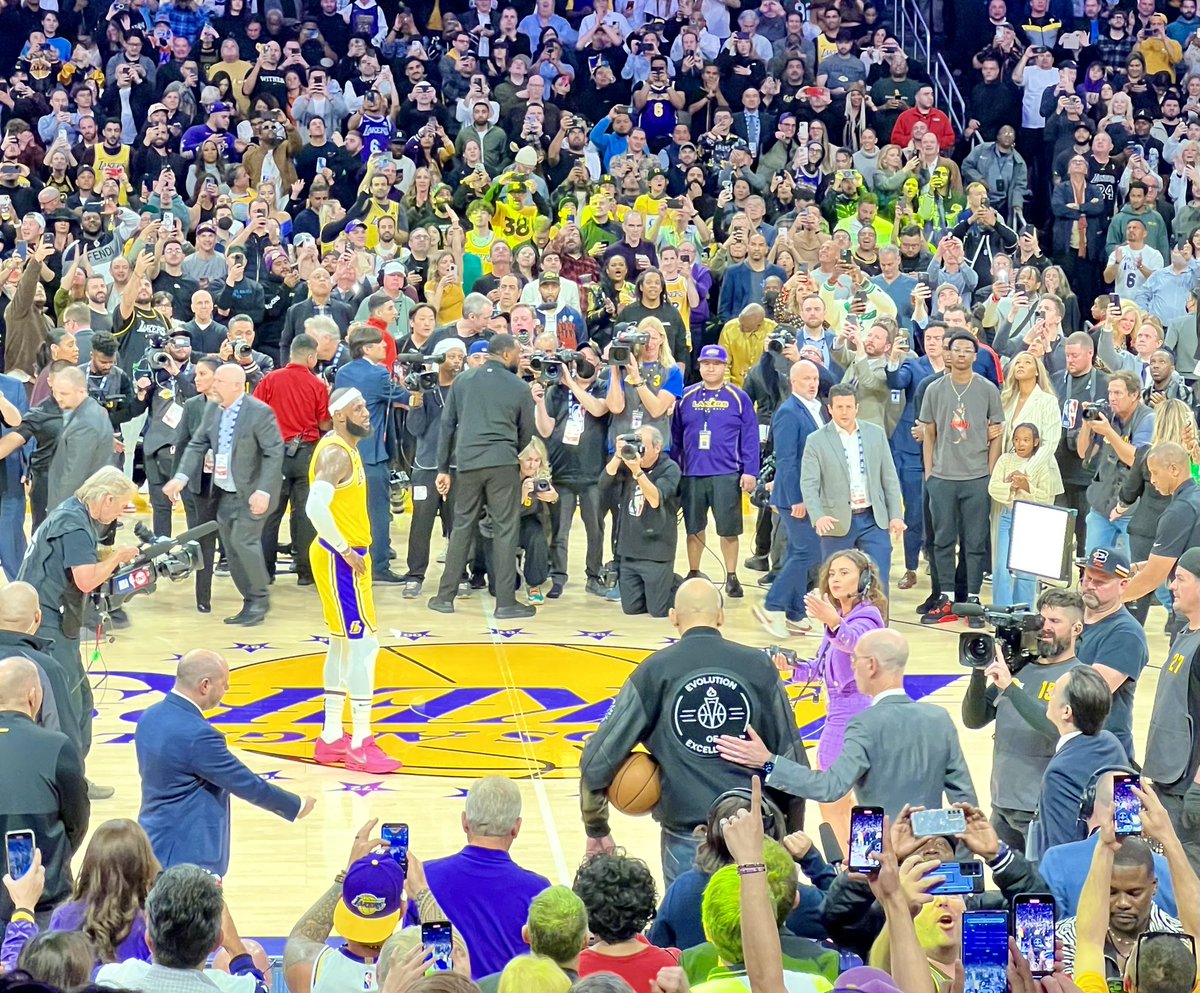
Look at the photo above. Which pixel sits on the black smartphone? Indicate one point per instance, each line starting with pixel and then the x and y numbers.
pixel 437 939
pixel 396 836
pixel 19 847
pixel 866 836
pixel 1127 808
pixel 1033 927
pixel 846 257
pixel 985 950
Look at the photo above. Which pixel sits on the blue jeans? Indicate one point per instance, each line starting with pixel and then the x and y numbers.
pixel 912 485
pixel 379 509
pixel 870 539
pixel 12 532
pixel 678 851
pixel 1009 588
pixel 1103 533
pixel 803 555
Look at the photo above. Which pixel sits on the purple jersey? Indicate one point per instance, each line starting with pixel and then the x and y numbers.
pixel 716 432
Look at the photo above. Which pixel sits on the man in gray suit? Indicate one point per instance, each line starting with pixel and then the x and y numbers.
pixel 850 485
pixel 247 471
pixel 1182 340
pixel 897 751
pixel 86 441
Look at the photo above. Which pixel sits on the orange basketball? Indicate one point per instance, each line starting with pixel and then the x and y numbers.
pixel 636 787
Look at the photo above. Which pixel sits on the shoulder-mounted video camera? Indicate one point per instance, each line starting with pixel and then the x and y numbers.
pixel 172 559
pixel 1017 628
pixel 625 338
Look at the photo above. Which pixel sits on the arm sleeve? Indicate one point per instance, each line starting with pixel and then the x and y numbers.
pixel 957 782
pixel 825 786
pixel 214 762
pixel 317 506
pixel 447 427
pixel 978 706
pixel 622 728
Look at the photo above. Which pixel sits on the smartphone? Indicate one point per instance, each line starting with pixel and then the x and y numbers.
pixel 396 836
pixel 320 163
pixel 802 269
pixel 1127 808
pixel 961 877
pixel 866 836
pixel 902 342
pixel 437 939
pixel 19 846
pixel 1033 927
pixel 943 822
pixel 846 257
pixel 985 950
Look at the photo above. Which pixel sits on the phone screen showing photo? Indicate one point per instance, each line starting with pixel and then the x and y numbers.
pixel 866 836
pixel 1127 808
pixel 437 937
pixel 1033 927
pixel 985 951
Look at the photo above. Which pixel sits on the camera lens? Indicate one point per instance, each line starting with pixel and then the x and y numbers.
pixel 977 651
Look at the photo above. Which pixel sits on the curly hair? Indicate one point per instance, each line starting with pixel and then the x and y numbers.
pixel 118 870
pixel 619 894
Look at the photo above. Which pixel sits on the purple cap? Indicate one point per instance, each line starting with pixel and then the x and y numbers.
pixel 354 225
pixel 220 108
pixel 477 348
pixel 372 900
pixel 273 255
pixel 864 979
pixel 713 353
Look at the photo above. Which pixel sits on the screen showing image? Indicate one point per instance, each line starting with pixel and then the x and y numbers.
pixel 396 837
pixel 20 852
pixel 1033 924
pixel 1041 539
pixel 985 952
pixel 436 936
pixel 866 836
pixel 1127 808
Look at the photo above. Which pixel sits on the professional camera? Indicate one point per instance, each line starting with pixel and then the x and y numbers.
pixel 541 486
pixel 241 349
pixel 1093 410
pixel 1017 628
pixel 419 358
pixel 760 496
pixel 155 356
pixel 113 402
pixel 419 380
pixel 780 338
pixel 629 446
pixel 173 559
pixel 549 368
pixel 625 337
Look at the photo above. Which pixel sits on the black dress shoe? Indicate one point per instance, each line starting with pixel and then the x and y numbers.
pixel 733 588
pixel 441 606
pixel 304 581
pixel 204 607
pixel 386 577
pixel 517 610
pixel 239 616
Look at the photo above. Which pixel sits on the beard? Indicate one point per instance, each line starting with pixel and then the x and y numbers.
pixel 356 430
pixel 1052 648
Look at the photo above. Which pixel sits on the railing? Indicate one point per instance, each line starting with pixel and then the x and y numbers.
pixel 912 31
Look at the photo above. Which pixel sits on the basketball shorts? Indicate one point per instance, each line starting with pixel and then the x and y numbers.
pixel 346 599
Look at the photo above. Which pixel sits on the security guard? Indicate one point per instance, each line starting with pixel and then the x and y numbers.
pixel 63 564
pixel 677 702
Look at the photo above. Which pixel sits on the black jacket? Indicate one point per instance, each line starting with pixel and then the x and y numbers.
pixel 487 421
pixel 58 712
pixel 42 789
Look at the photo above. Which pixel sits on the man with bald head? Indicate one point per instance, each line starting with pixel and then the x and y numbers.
pixel 897 751
pixel 20 617
pixel 188 772
pixel 676 703
pixel 799 416
pixel 42 788
pixel 247 473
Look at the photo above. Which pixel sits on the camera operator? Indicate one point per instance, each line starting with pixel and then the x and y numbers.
pixel 1082 383
pixel 643 390
pixel 63 564
pixel 1109 435
pixel 423 423
pixel 85 443
pixel 644 487
pixel 162 388
pixel 238 347
pixel 1023 740
pixel 107 382
pixel 573 418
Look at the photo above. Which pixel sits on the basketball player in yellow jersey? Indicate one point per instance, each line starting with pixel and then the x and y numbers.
pixel 341 565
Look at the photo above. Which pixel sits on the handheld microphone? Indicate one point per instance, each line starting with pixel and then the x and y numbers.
pixel 830 845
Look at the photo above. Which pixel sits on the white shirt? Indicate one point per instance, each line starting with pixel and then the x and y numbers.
pixel 1064 739
pixel 1129 278
pixel 855 465
pixel 898 691
pixel 188 699
pixel 813 407
pixel 1036 82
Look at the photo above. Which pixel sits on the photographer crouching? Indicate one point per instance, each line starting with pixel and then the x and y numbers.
pixel 64 564
pixel 644 486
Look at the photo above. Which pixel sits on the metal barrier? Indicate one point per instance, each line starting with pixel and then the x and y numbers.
pixel 912 31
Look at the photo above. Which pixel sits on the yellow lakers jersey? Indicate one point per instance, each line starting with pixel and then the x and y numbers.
pixel 349 503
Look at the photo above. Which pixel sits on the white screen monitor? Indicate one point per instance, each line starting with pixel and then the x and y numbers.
pixel 1041 541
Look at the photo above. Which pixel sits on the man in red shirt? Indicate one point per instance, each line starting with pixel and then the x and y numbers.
pixel 935 120
pixel 300 402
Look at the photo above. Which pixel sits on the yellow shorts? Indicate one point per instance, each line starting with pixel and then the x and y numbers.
pixel 346 599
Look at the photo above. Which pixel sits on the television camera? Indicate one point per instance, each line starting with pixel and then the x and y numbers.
pixel 172 559
pixel 419 376
pixel 549 366
pixel 155 357
pixel 1017 628
pixel 625 338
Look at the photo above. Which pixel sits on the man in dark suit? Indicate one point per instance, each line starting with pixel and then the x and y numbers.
pixel 86 441
pixel 188 772
pixel 753 124
pixel 199 497
pixel 247 452
pixel 795 419
pixel 318 304
pixel 1078 707
pixel 14 402
pixel 42 788
pixel 206 332
pixel 897 751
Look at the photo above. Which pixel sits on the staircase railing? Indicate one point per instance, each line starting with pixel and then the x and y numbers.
pixel 912 30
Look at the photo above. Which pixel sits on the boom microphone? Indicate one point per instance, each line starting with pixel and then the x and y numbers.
pixel 151 552
pixel 968 610
pixel 830 845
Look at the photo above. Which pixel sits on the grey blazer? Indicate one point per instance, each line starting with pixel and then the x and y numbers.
pixel 256 461
pixel 825 476
pixel 897 751
pixel 85 445
pixel 1181 339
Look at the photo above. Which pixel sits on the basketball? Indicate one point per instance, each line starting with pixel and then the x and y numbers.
pixel 636 787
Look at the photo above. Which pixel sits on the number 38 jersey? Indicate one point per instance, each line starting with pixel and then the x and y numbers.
pixel 514 223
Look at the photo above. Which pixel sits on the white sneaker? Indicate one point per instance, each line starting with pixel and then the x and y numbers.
pixel 774 622
pixel 800 627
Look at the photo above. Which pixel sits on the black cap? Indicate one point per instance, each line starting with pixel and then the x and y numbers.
pixel 1068 64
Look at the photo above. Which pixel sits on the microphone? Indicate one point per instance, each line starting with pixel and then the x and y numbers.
pixel 151 552
pixel 968 610
pixel 829 843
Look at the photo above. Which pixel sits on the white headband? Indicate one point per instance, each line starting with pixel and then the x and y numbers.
pixel 345 400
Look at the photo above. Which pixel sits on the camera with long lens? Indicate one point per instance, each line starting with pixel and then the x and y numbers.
pixel 625 338
pixel 760 496
pixel 241 349
pixel 1017 629
pixel 547 367
pixel 1093 410
pixel 172 559
pixel 780 338
pixel 629 446
pixel 420 376
pixel 155 356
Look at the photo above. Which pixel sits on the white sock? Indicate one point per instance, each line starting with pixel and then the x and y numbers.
pixel 335 704
pixel 360 719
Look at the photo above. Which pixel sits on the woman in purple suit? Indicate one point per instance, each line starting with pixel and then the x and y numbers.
pixel 849 602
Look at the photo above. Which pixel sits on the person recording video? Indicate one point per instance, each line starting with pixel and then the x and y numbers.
pixel 161 388
pixel 645 385
pixel 107 382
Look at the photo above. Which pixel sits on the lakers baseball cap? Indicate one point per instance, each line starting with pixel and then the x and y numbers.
pixel 1107 560
pixel 477 348
pixel 713 353
pixel 864 979
pixel 372 900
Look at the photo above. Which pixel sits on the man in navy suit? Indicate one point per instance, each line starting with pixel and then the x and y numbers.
pixel 795 419
pixel 12 493
pixel 1078 707
pixel 188 772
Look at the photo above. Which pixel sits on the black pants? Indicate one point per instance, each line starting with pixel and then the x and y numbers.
pixel 960 507
pixel 647 587
pixel 39 487
pixel 294 492
pixel 66 651
pixel 960 571
pixel 1011 826
pixel 1139 551
pixel 201 508
pixel 241 537
pixel 497 488
pixel 159 469
pixel 1185 827
pixel 764 531
pixel 531 540
pixel 428 506
pixel 587 498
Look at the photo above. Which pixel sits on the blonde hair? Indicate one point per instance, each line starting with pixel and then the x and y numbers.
pixel 537 447
pixel 1172 419
pixel 665 358
pixel 1009 392
pixel 533 974
pixel 108 481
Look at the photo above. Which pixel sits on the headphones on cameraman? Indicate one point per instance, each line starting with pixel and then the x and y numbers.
pixel 774 821
pixel 1087 799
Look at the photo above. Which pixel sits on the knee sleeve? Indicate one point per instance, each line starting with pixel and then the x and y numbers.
pixel 335 664
pixel 360 667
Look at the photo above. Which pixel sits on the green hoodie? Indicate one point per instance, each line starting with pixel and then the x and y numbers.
pixel 1156 229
